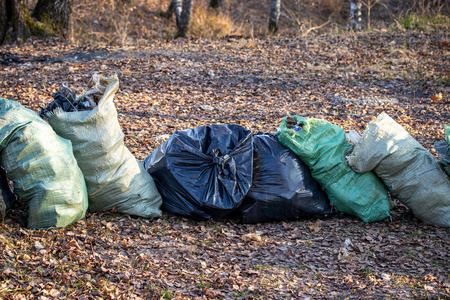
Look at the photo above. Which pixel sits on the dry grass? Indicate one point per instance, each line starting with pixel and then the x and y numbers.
pixel 429 8
pixel 135 22
pixel 118 22
pixel 209 23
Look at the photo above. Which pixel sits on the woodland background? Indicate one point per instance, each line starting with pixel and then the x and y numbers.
pixel 230 70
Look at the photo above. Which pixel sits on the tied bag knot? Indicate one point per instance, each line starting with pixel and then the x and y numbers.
pixel 225 164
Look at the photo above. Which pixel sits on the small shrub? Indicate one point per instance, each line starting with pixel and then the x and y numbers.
pixel 424 23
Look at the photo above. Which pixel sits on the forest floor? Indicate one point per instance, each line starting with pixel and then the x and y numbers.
pixel 346 79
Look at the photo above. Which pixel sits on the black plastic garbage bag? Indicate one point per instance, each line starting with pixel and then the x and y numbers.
pixel 203 172
pixel 282 188
pixel 443 150
pixel 7 197
pixel 67 101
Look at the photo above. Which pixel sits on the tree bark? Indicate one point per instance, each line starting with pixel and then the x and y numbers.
pixel 12 25
pixel 185 19
pixel 4 21
pixel 169 11
pixel 274 15
pixel 355 15
pixel 177 9
pixel 55 13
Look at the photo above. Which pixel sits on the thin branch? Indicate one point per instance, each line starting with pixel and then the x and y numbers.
pixel 314 28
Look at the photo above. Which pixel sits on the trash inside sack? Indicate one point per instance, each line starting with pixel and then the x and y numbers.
pixel 67 101
pixel 114 177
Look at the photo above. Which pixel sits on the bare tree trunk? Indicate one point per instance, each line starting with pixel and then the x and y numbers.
pixel 168 13
pixel 355 15
pixel 177 9
pixel 12 25
pixel 3 21
pixel 274 15
pixel 185 19
pixel 55 13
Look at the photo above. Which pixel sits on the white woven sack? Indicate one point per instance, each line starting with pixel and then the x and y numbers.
pixel 114 177
pixel 411 173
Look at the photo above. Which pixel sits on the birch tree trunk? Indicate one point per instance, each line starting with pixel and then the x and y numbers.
pixel 274 16
pixel 177 10
pixel 185 19
pixel 355 15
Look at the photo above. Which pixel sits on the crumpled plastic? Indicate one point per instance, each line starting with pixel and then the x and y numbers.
pixel 443 150
pixel 67 101
pixel 282 186
pixel 205 172
pixel 7 198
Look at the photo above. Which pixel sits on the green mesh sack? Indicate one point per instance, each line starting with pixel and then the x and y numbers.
pixel 322 146
pixel 447 134
pixel 42 166
pixel 443 150
pixel 411 173
pixel 114 177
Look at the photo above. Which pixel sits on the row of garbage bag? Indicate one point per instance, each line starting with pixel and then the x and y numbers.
pixel 308 169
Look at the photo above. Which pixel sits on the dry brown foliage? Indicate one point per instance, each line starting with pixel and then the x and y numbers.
pixel 345 79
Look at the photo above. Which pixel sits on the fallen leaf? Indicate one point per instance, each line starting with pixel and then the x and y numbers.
pixel 437 97
pixel 315 226
pixel 251 237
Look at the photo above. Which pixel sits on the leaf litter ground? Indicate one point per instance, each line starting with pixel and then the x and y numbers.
pixel 168 86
